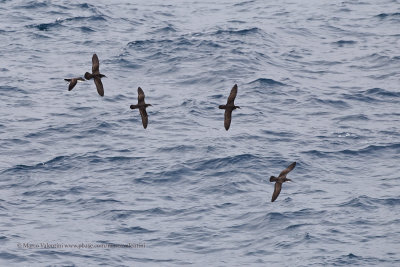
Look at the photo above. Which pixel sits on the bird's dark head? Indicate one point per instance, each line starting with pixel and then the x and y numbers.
pixel 222 106
pixel 273 179
pixel 88 76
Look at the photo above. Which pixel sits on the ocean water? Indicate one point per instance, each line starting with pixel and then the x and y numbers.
pixel 318 84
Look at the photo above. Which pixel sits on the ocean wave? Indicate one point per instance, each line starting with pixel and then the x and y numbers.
pixel 13 257
pixel 330 102
pixel 370 151
pixel 167 29
pixel 133 230
pixel 389 15
pixel 342 43
pixel 219 163
pixel 242 32
pixel 33 5
pixel 382 92
pixel 244 3
pixel 353 259
pixel 46 26
pixel 12 89
pixel 266 82
pixel 59 23
pixel 119 214
pixel 64 163
pixel 356 117
pixel 361 202
pixel 179 148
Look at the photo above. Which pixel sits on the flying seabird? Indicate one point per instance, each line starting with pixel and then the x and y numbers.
pixel 96 75
pixel 73 82
pixel 229 107
pixel 280 180
pixel 141 105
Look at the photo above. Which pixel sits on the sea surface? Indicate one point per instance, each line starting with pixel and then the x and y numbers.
pixel 82 183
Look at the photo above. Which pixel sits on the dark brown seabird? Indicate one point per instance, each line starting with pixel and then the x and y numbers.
pixel 280 180
pixel 96 75
pixel 229 107
pixel 141 105
pixel 73 82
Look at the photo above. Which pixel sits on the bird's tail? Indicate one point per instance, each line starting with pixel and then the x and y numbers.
pixel 273 179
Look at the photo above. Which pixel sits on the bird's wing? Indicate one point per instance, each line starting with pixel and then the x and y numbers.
pixel 143 113
pixel 278 187
pixel 228 118
pixel 72 84
pixel 99 86
pixel 232 95
pixel 287 170
pixel 140 95
pixel 95 64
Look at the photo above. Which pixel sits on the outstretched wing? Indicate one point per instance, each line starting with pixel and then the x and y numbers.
pixel 287 170
pixel 140 95
pixel 72 84
pixel 95 64
pixel 278 187
pixel 99 86
pixel 228 118
pixel 143 114
pixel 232 95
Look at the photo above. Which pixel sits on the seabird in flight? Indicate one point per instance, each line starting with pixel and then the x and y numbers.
pixel 229 107
pixel 141 105
pixel 280 180
pixel 73 82
pixel 96 75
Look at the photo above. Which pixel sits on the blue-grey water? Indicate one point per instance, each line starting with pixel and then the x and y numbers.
pixel 318 84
